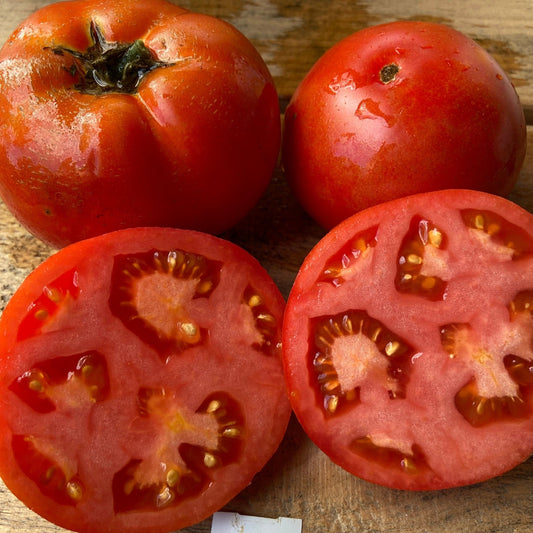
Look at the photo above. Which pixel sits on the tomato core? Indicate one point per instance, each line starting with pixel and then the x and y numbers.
pixel 111 66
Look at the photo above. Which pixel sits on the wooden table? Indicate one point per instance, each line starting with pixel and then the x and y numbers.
pixel 300 481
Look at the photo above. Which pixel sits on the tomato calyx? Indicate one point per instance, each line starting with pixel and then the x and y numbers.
pixel 108 66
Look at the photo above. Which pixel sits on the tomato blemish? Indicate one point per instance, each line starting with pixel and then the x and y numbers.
pixel 388 73
pixel 350 349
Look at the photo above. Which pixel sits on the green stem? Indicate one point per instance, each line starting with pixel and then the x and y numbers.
pixel 111 66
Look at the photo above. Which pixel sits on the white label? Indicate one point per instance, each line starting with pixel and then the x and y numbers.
pixel 237 523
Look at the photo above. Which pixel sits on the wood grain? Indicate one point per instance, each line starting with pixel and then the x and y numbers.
pixel 300 481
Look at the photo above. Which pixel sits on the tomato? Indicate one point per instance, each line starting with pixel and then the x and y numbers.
pixel 116 114
pixel 407 340
pixel 141 380
pixel 398 109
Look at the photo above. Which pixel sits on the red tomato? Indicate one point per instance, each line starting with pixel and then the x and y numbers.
pixel 398 109
pixel 116 114
pixel 407 340
pixel 141 381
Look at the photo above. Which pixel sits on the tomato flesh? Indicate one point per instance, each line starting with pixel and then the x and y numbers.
pixel 407 341
pixel 141 383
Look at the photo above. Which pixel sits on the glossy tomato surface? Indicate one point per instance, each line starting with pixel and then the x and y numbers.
pixel 141 381
pixel 398 109
pixel 116 114
pixel 408 340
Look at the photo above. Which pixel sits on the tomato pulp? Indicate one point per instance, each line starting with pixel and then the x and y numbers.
pixel 116 114
pixel 141 381
pixel 399 109
pixel 407 340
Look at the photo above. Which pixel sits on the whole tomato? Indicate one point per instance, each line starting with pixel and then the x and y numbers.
pixel 397 109
pixel 116 114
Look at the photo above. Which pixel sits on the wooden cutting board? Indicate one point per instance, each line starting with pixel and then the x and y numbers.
pixel 300 481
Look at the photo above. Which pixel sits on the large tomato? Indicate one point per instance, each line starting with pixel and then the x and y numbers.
pixel 398 109
pixel 141 381
pixel 408 340
pixel 116 113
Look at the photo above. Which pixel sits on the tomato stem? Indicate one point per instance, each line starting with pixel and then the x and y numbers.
pixel 111 66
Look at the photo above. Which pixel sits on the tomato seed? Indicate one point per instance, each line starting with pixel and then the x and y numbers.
pixel 41 314
pixel 213 406
pixel 210 460
pixel 74 490
pixel 392 347
pixel 231 432
pixel 173 477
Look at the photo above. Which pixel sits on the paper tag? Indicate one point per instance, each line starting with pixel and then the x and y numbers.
pixel 237 523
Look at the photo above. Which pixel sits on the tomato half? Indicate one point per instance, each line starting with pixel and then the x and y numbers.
pixel 116 114
pixel 141 381
pixel 398 109
pixel 408 340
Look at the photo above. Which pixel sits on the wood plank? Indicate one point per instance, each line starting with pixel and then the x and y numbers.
pixel 291 36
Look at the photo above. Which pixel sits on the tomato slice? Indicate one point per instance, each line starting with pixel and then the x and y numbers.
pixel 408 341
pixel 141 382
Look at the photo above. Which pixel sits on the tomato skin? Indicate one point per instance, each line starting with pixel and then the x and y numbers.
pixel 194 146
pixel 89 397
pixel 449 118
pixel 422 392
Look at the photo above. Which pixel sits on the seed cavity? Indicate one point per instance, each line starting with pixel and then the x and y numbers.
pixel 346 349
pixel 54 297
pixel 43 386
pixel 422 240
pixel 504 238
pixel 151 294
pixel 48 474
pixel 500 382
pixel 192 445
pixel 264 322
pixel 346 262
pixel 399 456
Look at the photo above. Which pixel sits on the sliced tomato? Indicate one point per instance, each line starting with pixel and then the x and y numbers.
pixel 408 341
pixel 141 381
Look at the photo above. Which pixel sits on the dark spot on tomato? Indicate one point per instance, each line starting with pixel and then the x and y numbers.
pixel 388 73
